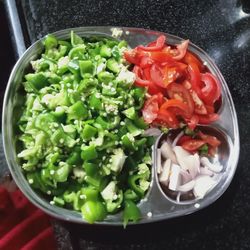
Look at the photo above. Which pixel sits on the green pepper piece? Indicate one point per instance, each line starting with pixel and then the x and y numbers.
pixel 90 168
pixel 130 163
pixel 132 182
pixel 131 195
pixel 93 211
pixel 113 65
pixel 114 205
pixel 134 130
pixel 122 44
pixel 95 102
pixel 130 113
pixel 128 142
pixel 90 193
pixel 75 157
pixel 93 181
pixel 88 132
pixel 105 51
pixel 89 153
pixel 87 83
pixel 59 201
pixel 131 212
pixel 75 39
pixel 77 111
pixel 50 42
pixel 43 121
pixel 140 123
pixel 62 173
pixel 102 122
pixel 37 80
pixel 105 77
pixel 73 66
pixel 86 66
pixel 77 52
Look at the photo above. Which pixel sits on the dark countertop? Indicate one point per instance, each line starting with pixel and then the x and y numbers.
pixel 221 28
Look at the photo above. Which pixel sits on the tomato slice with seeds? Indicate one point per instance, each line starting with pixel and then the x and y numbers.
pixel 195 78
pixel 179 107
pixel 209 139
pixel 166 118
pixel 177 91
pixel 191 58
pixel 193 144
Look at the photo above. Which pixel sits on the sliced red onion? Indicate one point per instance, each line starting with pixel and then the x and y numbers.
pixel 187 187
pixel 174 143
pixel 217 168
pixel 153 132
pixel 167 152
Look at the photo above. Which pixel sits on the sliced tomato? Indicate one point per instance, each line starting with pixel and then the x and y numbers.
pixel 132 56
pixel 211 90
pixel 183 139
pixel 139 75
pixel 162 56
pixel 191 58
pixel 160 42
pixel 177 91
pixel 179 107
pixel 209 139
pixel 193 144
pixel 210 109
pixel 195 78
pixel 166 118
pixel 207 119
pixel 193 121
pixel 146 62
pixel 181 50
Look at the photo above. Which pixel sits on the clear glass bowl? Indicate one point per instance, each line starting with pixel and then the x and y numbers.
pixel 156 201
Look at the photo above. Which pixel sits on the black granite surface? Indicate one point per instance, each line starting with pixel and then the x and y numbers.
pixel 222 28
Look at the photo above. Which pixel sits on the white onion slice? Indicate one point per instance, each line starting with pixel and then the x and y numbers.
pixel 166 169
pixel 206 171
pixel 192 162
pixel 181 155
pixel 167 152
pixel 203 184
pixel 185 176
pixel 187 187
pixel 175 177
pixel 217 168
pixel 158 165
pixel 152 132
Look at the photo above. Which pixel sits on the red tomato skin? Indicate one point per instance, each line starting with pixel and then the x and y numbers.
pixel 160 42
pixel 193 144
